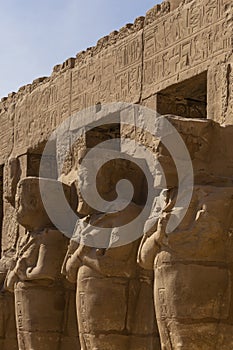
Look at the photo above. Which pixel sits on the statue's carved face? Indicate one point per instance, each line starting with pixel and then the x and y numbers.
pixel 30 212
pixel 88 184
pixel 40 203
pixel 26 203
pixel 83 208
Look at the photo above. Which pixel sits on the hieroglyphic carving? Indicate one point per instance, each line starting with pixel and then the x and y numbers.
pixel 38 113
pixel 113 74
pixel 182 40
pixel 6 134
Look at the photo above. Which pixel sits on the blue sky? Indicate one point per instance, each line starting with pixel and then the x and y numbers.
pixel 38 34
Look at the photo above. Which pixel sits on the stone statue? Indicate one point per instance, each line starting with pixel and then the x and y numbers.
pixel 192 272
pixel 40 291
pixel 114 295
pixel 8 337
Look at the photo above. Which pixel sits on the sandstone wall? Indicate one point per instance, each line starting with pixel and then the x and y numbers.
pixel 173 43
pixel 130 65
pixel 177 60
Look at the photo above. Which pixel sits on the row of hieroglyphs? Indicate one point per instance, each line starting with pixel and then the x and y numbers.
pixel 128 70
pixel 185 39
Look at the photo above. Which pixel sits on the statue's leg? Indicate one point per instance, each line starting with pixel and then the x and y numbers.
pixel 141 322
pixel 101 311
pixel 2 310
pixel 39 316
pixel 70 338
pixel 8 337
pixel 192 302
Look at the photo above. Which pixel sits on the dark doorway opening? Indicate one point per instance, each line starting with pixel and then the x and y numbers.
pixel 187 99
pixel 49 161
pixel 102 133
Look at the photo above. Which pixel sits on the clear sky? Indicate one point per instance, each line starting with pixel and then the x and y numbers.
pixel 38 34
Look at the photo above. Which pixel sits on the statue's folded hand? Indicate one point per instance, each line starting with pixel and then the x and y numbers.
pixel 147 253
pixel 71 269
pixel 10 281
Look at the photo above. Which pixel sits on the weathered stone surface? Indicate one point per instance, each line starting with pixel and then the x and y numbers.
pixel 101 272
pixel 147 58
pixel 8 337
pixel 177 60
pixel 192 266
pixel 41 295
